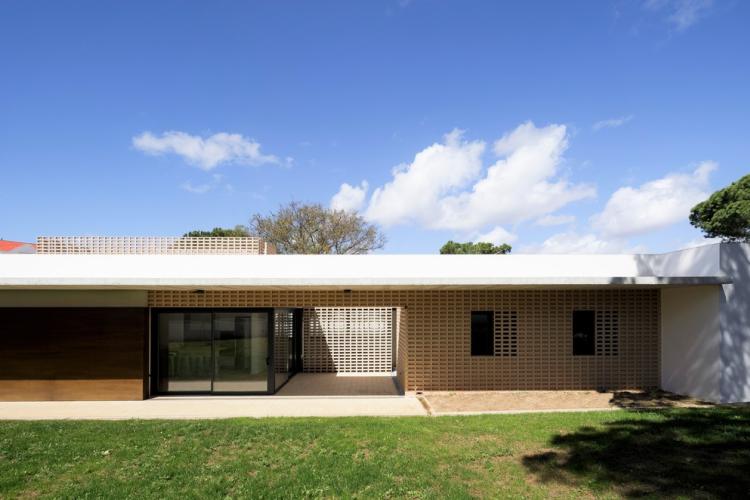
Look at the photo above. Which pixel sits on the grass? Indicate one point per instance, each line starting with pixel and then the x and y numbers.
pixel 679 452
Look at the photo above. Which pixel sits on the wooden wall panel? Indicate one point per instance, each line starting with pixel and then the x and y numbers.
pixel 73 353
pixel 437 323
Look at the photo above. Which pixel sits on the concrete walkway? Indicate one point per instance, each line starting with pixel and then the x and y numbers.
pixel 213 407
pixel 336 384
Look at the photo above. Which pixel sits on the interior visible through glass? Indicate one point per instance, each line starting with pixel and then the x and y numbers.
pixel 184 352
pixel 240 352
pixel 220 352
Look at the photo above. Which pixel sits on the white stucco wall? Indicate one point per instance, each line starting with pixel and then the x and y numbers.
pixel 691 341
pixel 735 323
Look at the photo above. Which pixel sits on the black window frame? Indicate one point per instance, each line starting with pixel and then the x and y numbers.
pixel 583 331
pixel 483 342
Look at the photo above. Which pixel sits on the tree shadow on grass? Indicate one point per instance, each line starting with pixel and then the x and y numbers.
pixel 654 398
pixel 686 452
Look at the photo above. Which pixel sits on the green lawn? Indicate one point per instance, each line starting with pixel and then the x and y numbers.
pixel 704 453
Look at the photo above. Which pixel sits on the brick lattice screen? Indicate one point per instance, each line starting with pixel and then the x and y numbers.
pixel 437 333
pixel 347 340
pixel 146 245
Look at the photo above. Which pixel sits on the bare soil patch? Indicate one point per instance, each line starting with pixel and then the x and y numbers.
pixel 491 401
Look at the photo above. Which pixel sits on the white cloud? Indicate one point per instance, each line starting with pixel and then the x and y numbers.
pixel 446 187
pixel 350 198
pixel 196 189
pixel 207 153
pixel 555 220
pixel 496 236
pixel 216 180
pixel 612 122
pixel 655 204
pixel 572 242
pixel 681 13
pixel 417 188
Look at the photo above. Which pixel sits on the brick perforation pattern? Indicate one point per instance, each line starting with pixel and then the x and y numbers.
pixel 437 327
pixel 145 245
pixel 506 333
pixel 283 330
pixel 347 340
pixel 607 333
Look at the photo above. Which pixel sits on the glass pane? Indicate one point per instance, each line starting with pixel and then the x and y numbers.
pixel 283 345
pixel 184 352
pixel 583 333
pixel 482 334
pixel 240 352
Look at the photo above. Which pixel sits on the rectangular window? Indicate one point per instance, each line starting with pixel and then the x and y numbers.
pixel 584 328
pixel 482 335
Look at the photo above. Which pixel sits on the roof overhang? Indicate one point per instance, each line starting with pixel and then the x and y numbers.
pixel 337 272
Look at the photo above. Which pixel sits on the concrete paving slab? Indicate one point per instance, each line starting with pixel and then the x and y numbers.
pixel 213 407
pixel 337 384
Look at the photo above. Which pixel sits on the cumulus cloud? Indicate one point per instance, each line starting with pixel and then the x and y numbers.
pixel 417 188
pixel 555 220
pixel 681 14
pixel 496 236
pixel 206 153
pixel 655 204
pixel 446 186
pixel 612 122
pixel 350 198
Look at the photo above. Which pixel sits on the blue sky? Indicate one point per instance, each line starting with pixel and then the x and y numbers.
pixel 582 126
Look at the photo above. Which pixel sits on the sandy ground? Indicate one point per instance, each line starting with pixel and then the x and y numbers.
pixel 508 401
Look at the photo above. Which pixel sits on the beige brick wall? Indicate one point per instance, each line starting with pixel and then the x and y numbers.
pixel 436 332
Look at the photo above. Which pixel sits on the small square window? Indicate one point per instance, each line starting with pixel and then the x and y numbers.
pixel 482 333
pixel 584 328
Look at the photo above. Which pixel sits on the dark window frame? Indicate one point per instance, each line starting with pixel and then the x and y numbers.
pixel 583 330
pixel 483 341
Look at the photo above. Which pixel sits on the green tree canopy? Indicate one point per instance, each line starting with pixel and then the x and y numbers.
pixel 726 213
pixel 453 247
pixel 219 232
pixel 298 228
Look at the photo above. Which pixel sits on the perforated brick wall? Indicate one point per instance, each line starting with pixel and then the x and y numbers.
pixel 437 334
pixel 152 245
pixel 347 340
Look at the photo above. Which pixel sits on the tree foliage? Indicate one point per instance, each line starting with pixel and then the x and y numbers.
pixel 298 228
pixel 726 213
pixel 219 232
pixel 453 247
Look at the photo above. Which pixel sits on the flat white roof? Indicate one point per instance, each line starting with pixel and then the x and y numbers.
pixel 697 266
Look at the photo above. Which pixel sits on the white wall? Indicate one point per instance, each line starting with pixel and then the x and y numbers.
pixel 73 298
pixel 735 323
pixel 691 341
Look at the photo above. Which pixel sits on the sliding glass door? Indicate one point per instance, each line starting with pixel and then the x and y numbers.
pixel 240 352
pixel 185 352
pixel 221 351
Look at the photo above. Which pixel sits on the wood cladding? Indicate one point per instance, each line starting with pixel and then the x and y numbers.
pixel 434 334
pixel 73 353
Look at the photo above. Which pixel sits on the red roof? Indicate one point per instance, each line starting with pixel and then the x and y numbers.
pixel 8 246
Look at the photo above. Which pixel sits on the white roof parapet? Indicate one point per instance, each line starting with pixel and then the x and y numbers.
pixel 698 266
